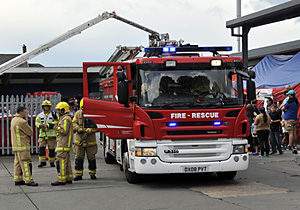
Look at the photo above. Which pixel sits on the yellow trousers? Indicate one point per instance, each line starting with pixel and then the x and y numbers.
pixel 63 166
pixel 23 166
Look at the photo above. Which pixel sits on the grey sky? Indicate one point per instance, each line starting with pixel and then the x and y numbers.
pixel 35 22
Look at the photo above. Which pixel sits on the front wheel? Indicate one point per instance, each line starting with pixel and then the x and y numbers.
pixel 131 177
pixel 227 175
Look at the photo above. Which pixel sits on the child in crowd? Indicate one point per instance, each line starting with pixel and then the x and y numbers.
pixel 254 137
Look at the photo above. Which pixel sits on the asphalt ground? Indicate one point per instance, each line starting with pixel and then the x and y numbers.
pixel 269 183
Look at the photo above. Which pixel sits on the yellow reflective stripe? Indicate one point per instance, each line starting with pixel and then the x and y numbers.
pixel 71 176
pixel 74 117
pixel 92 171
pixel 51 158
pixel 26 170
pixel 42 158
pixel 78 172
pixel 17 177
pixel 77 141
pixel 93 142
pixel 65 125
pixel 21 148
pixel 62 149
pixel 61 177
pixel 70 138
pixel 63 167
pixel 48 132
pixel 18 135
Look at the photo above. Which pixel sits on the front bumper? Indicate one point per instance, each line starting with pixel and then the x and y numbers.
pixel 153 165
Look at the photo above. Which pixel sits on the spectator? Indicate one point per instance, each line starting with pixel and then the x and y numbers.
pixel 254 104
pixel 290 109
pixel 254 137
pixel 278 104
pixel 269 103
pixel 288 88
pixel 263 129
pixel 274 130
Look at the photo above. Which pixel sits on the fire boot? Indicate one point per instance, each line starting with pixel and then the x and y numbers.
pixel 57 183
pixel 42 164
pixel 20 183
pixel 93 176
pixel 52 164
pixel 77 178
pixel 32 184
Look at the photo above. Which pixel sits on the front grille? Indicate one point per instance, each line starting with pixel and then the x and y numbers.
pixel 197 152
pixel 194 132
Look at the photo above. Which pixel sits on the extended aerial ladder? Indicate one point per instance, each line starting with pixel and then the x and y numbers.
pixel 154 39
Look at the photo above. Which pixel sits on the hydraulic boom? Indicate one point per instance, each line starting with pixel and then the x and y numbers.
pixel 154 39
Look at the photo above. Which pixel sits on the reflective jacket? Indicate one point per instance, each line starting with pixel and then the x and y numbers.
pixel 88 138
pixel 64 131
pixel 46 118
pixel 20 133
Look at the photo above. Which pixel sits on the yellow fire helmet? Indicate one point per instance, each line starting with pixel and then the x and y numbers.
pixel 81 104
pixel 46 103
pixel 63 108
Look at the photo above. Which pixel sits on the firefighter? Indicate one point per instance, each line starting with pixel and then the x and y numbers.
pixel 64 140
pixel 20 140
pixel 85 142
pixel 45 121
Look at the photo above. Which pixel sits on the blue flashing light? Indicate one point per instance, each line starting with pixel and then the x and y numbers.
pixel 172 124
pixel 228 49
pixel 186 49
pixel 172 49
pixel 217 123
pixel 166 49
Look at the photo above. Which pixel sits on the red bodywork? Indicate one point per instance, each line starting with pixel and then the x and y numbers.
pixel 119 122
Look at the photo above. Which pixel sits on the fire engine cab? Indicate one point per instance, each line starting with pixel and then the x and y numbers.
pixel 173 111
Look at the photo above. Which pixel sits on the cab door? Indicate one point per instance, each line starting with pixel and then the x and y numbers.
pixel 112 118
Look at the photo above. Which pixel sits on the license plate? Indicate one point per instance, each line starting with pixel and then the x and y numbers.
pixel 195 169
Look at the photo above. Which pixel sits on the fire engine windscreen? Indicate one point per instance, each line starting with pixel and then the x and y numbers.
pixel 190 88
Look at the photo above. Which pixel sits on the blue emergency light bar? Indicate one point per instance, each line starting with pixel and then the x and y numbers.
pixel 186 49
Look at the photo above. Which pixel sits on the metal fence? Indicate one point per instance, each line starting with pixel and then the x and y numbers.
pixel 9 105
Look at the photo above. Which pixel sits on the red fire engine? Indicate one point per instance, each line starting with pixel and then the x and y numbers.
pixel 173 111
pixel 170 111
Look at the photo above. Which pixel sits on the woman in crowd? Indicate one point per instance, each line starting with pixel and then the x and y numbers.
pixel 262 121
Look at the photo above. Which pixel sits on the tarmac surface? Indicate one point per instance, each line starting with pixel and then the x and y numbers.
pixel 269 183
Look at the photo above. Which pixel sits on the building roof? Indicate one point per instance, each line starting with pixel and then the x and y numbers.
pixel 6 57
pixel 55 74
pixel 288 10
pixel 287 48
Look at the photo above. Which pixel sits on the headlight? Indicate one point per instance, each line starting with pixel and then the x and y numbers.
pixel 145 152
pixel 239 149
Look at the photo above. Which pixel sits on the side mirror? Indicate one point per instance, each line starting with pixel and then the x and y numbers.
pixel 251 90
pixel 252 74
pixel 123 93
pixel 120 75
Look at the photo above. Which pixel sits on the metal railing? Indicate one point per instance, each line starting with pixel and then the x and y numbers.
pixel 9 105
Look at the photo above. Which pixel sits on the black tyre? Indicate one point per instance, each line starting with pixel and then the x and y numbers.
pixel 226 175
pixel 108 158
pixel 131 177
